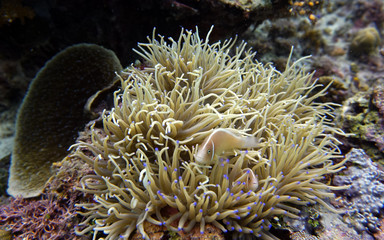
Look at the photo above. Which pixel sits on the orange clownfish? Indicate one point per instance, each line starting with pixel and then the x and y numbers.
pixel 221 140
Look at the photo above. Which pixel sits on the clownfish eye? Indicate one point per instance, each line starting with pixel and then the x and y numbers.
pixel 209 151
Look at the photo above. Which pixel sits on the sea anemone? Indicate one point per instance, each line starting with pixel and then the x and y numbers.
pixel 144 158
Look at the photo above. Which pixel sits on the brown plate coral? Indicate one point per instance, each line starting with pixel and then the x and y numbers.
pixel 144 160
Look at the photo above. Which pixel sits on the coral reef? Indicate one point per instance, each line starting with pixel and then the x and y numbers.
pixel 343 232
pixel 52 113
pixel 32 32
pixel 5 235
pixel 365 13
pixel 143 158
pixel 378 98
pixel 302 236
pixel 52 215
pixel 156 232
pixel 248 5
pixel 46 218
pixel 365 42
pixel 306 7
pixel 364 200
pixel 380 235
pixel 361 115
pixel 328 40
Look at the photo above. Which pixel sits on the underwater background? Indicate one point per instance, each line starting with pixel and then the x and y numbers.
pixel 66 54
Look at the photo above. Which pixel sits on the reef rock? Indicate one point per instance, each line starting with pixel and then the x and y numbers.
pixel 364 200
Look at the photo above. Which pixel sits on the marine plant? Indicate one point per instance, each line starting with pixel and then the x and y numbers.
pixel 144 157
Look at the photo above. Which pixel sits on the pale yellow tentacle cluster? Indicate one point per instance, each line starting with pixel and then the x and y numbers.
pixel 144 162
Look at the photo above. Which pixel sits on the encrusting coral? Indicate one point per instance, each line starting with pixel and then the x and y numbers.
pixel 144 159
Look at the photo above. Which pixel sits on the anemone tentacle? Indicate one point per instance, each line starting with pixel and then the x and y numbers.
pixel 145 168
